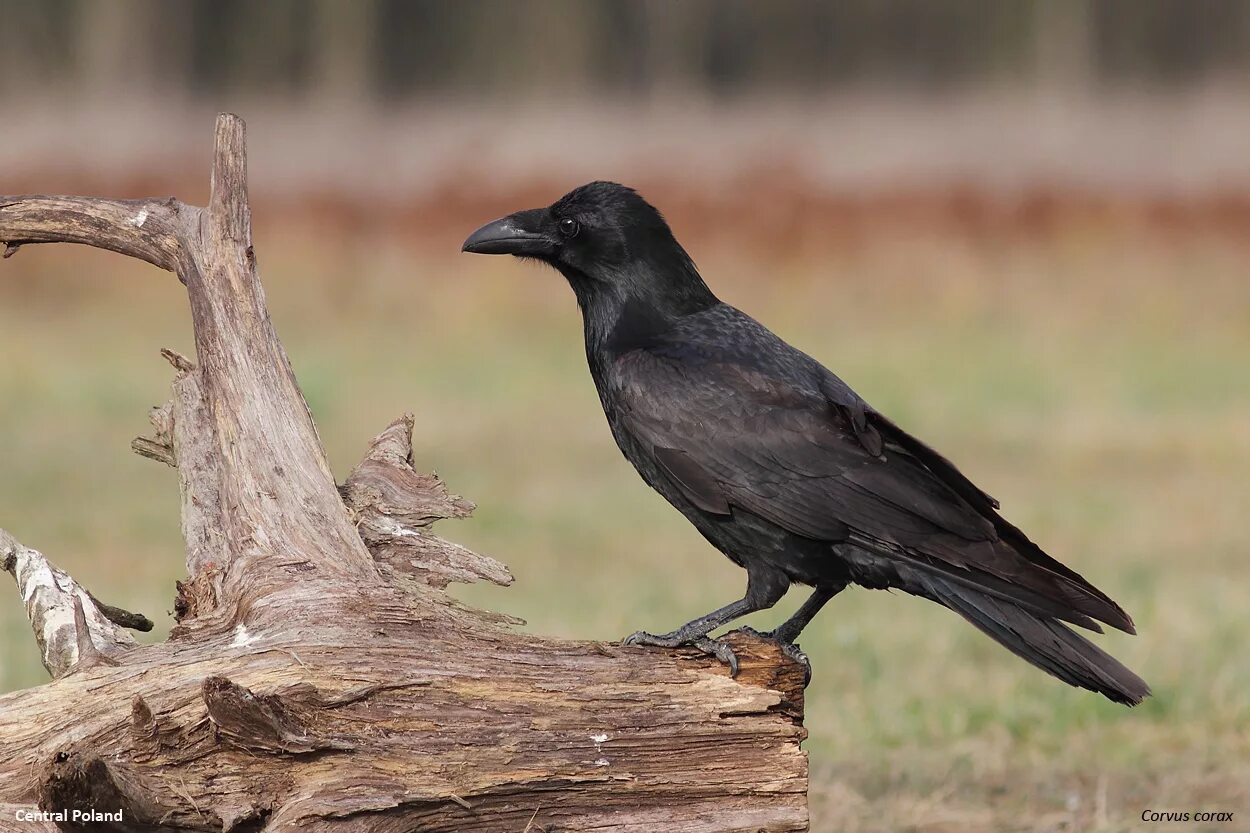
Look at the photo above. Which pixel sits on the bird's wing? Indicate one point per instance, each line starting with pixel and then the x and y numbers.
pixel 811 457
pixel 783 452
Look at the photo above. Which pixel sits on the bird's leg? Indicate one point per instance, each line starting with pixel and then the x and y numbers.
pixel 788 631
pixel 764 589
pixel 695 629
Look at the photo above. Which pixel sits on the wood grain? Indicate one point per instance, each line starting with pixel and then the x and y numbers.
pixel 319 677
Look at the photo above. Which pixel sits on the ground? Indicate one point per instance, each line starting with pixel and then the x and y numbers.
pixel 1095 381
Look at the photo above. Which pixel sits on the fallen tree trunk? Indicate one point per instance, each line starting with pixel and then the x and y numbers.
pixel 319 676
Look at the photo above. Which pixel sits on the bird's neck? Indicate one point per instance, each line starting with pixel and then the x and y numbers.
pixel 615 325
pixel 627 311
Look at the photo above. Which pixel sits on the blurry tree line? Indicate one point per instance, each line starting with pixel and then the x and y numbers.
pixel 389 49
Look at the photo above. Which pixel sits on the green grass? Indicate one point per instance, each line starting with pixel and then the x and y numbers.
pixel 1098 387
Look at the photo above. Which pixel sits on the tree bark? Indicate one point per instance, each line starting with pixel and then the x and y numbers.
pixel 319 677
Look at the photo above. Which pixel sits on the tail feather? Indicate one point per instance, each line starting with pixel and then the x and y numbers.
pixel 1045 642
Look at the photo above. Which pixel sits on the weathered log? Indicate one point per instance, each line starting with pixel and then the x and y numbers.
pixel 319 677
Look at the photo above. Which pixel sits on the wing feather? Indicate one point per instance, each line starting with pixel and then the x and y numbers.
pixel 817 461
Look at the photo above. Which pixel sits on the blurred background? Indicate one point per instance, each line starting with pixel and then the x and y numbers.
pixel 1021 229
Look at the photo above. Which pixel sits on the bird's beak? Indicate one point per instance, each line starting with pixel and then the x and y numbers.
pixel 517 234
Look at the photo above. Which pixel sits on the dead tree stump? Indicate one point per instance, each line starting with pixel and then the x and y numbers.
pixel 319 677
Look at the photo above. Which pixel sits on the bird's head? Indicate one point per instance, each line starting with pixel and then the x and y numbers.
pixel 607 241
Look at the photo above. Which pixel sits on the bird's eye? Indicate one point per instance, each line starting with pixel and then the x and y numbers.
pixel 569 227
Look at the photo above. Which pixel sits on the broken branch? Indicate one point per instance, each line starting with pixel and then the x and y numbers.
pixel 71 629
pixel 147 229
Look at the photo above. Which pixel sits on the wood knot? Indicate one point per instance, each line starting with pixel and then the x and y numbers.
pixel 261 722
pixel 111 795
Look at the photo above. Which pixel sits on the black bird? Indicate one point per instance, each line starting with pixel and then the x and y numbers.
pixel 783 467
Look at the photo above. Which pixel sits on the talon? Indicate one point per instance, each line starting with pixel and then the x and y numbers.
pixel 642 639
pixel 795 653
pixel 721 651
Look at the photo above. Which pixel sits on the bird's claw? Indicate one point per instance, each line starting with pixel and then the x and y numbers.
pixel 790 649
pixel 719 649
pixel 642 639
pixel 712 647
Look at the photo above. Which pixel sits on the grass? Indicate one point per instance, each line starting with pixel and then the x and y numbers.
pixel 1097 385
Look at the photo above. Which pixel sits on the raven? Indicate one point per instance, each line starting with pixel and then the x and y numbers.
pixel 780 465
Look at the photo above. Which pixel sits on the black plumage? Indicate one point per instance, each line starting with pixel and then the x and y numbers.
pixel 779 464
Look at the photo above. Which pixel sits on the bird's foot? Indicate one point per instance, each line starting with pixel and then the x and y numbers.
pixel 788 648
pixel 712 647
pixel 643 639
pixel 720 649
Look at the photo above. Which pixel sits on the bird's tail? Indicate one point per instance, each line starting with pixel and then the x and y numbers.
pixel 1043 641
